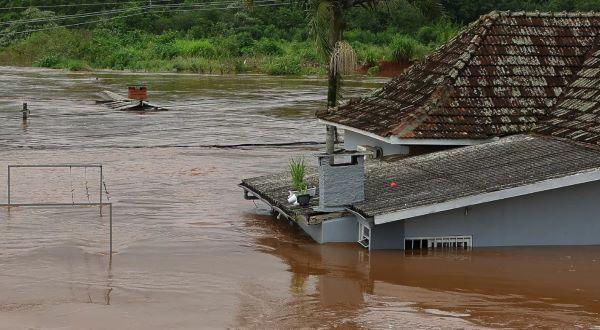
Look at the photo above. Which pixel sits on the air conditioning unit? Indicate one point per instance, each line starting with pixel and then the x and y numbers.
pixel 370 151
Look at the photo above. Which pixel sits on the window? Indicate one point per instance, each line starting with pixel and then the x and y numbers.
pixel 364 235
pixel 431 243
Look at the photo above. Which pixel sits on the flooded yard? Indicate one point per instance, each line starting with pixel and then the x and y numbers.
pixel 191 253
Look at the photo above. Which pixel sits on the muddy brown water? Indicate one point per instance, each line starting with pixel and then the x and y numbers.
pixel 191 253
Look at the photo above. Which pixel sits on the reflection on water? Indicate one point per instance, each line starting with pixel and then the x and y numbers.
pixel 191 253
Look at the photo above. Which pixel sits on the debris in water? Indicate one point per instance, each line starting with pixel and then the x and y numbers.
pixel 118 102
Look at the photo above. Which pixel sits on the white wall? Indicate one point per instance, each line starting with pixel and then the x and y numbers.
pixel 565 216
pixel 353 139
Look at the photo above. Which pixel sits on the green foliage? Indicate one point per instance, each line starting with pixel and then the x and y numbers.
pixel 370 55
pixel 191 48
pixel 76 65
pixel 286 65
pixel 48 61
pixel 272 40
pixel 297 168
pixel 18 30
pixel 405 47
pixel 268 47
pixel 373 71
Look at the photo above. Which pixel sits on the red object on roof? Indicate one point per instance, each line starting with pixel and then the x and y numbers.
pixel 138 93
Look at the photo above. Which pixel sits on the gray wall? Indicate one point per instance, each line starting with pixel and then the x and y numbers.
pixel 352 139
pixel 335 230
pixel 385 237
pixel 565 216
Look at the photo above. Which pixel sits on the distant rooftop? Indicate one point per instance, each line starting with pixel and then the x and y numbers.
pixel 431 179
pixel 500 76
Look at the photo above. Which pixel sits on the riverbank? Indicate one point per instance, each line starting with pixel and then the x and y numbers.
pixel 83 50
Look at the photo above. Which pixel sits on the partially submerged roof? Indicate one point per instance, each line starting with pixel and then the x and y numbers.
pixel 491 171
pixel 577 114
pixel 509 167
pixel 498 77
pixel 274 189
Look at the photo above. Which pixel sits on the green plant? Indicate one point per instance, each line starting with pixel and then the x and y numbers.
pixel 267 47
pixel 405 47
pixel 48 61
pixel 297 172
pixel 189 48
pixel 286 65
pixel 373 71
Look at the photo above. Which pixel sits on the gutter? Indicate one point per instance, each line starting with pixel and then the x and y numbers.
pixel 396 140
pixel 540 186
pixel 250 194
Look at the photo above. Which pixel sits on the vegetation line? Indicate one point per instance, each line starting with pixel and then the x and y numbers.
pixel 225 36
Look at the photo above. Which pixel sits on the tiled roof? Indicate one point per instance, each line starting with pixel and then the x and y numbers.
pixel 510 162
pixel 443 176
pixel 577 114
pixel 498 77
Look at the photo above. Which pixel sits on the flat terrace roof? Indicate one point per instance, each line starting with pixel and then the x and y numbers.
pixel 445 180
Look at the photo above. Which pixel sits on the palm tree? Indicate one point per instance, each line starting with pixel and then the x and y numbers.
pixel 327 26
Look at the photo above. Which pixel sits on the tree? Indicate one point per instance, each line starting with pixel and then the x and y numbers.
pixel 327 26
pixel 32 19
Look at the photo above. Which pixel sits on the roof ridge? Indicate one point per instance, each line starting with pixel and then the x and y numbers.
pixel 440 94
pixel 584 59
pixel 556 14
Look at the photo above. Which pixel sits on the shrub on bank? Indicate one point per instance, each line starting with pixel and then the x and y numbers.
pixel 286 65
pixel 267 46
pixel 405 47
pixel 194 48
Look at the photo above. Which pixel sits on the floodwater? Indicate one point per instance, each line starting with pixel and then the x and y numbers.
pixel 191 253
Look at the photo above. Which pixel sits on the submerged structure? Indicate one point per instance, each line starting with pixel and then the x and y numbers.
pixel 492 140
pixel 136 101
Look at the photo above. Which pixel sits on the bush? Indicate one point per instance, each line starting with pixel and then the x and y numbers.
pixel 286 65
pixel 76 65
pixel 191 48
pixel 404 47
pixel 268 47
pixel 124 58
pixel 48 61
pixel 427 35
pixel 373 71
pixel 369 55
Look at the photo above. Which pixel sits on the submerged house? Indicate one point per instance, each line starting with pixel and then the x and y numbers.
pixel 495 138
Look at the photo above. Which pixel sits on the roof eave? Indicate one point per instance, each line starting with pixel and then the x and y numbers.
pixel 404 141
pixel 566 181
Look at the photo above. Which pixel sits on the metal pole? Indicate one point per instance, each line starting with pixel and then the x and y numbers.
pixel 8 184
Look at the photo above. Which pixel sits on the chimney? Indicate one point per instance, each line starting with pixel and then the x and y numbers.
pixel 341 180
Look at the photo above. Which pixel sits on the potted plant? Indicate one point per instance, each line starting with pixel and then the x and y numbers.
pixel 297 172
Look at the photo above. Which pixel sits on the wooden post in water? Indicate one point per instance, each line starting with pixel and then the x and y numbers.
pixel 25 112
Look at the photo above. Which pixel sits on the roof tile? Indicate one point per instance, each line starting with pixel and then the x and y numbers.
pixel 503 73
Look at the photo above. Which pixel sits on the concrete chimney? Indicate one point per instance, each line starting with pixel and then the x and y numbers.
pixel 341 180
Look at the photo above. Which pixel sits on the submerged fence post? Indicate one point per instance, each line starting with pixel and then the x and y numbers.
pixel 101 182
pixel 110 222
pixel 8 185
pixel 25 111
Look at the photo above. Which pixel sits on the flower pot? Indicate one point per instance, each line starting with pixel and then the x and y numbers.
pixel 303 200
